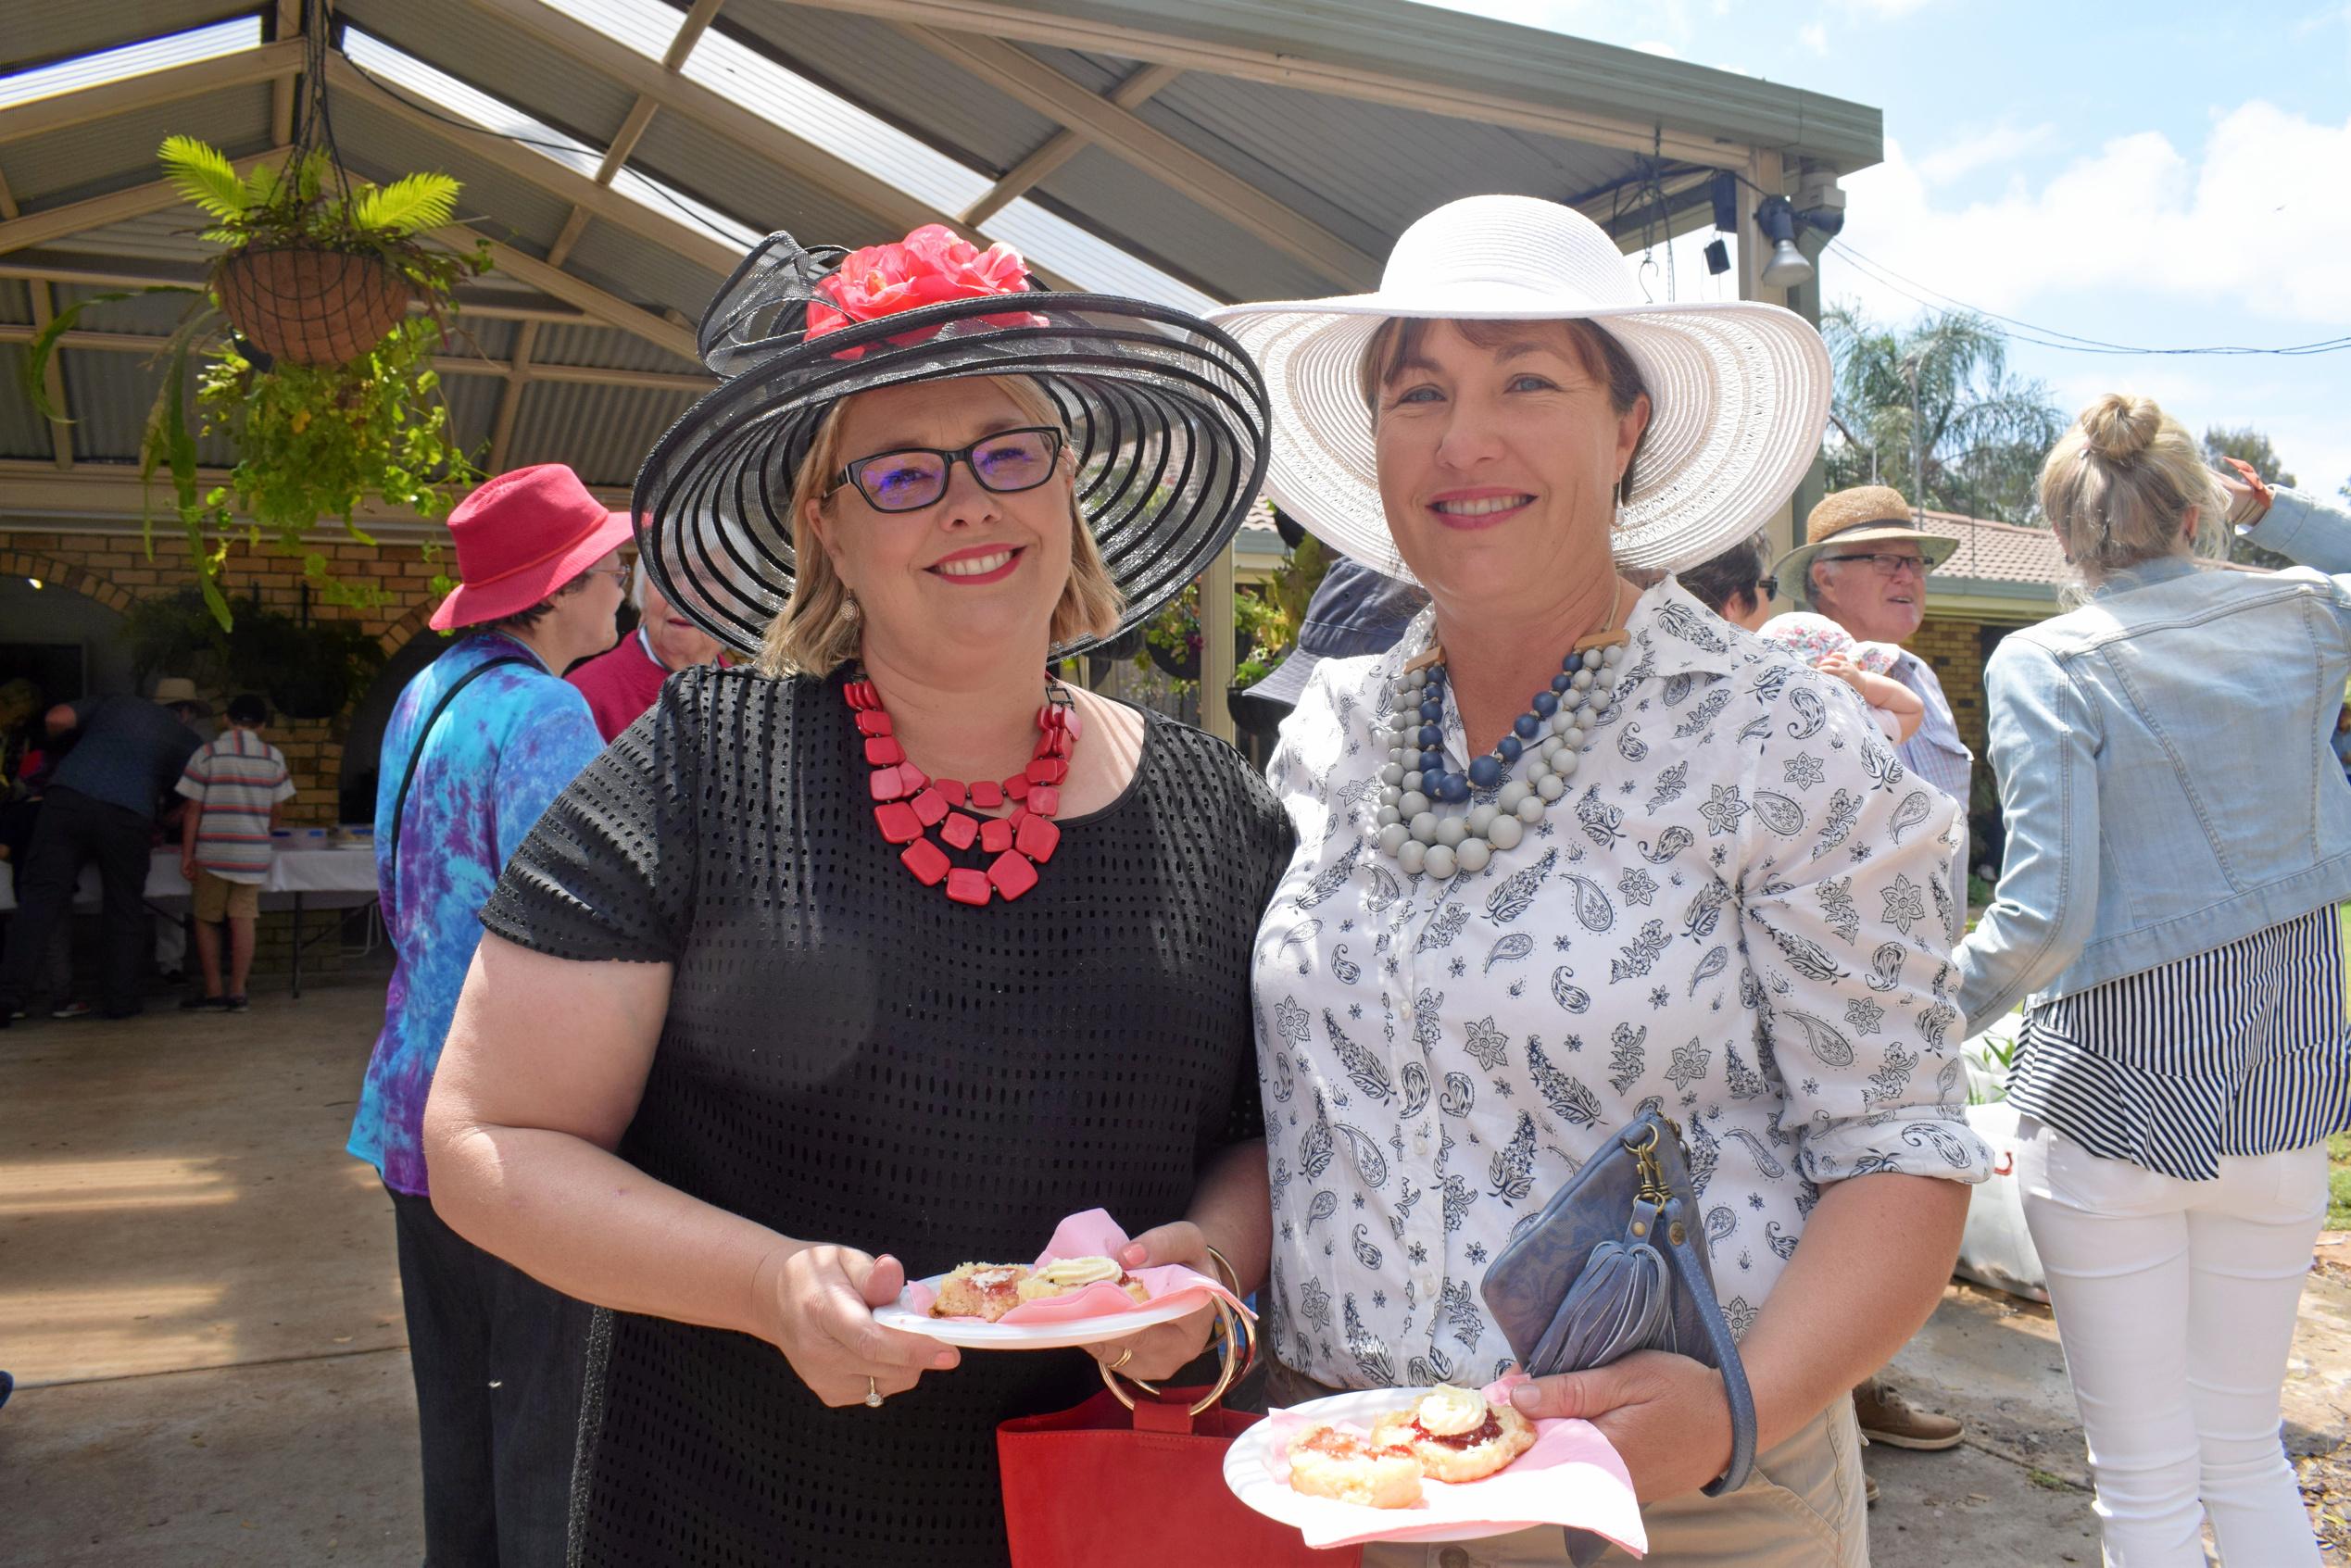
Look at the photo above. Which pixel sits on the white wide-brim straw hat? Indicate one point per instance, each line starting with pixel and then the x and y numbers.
pixel 1739 391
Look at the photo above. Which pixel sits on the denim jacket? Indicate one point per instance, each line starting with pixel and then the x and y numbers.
pixel 2165 767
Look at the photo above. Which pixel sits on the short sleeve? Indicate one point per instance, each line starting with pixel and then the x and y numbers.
pixel 607 872
pixel 190 784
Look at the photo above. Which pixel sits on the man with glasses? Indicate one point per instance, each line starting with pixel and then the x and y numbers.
pixel 1864 565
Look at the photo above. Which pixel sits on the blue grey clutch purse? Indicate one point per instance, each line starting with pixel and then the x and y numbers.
pixel 1616 1263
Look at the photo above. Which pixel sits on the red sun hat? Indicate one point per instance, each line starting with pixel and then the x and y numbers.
pixel 520 537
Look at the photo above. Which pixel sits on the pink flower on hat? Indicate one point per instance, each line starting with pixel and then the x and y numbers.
pixel 931 266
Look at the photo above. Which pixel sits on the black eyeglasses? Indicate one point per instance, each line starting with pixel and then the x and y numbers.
pixel 1888 565
pixel 1767 588
pixel 914 477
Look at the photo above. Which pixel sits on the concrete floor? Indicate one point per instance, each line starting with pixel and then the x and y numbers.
pixel 199 1300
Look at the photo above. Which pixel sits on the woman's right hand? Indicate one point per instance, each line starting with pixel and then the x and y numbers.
pixel 819 1302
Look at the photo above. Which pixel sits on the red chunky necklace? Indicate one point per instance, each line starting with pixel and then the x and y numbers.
pixel 911 804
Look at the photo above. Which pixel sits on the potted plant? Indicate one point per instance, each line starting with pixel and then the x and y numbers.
pixel 309 361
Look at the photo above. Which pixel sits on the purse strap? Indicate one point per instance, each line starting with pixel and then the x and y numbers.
pixel 424 734
pixel 1694 1279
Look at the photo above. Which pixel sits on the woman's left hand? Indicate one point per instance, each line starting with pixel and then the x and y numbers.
pixel 1666 1415
pixel 1166 1348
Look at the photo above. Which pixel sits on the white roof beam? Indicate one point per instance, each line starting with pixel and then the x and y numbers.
pixel 63 110
pixel 447 364
pixel 1126 136
pixel 1062 146
pixel 1283 68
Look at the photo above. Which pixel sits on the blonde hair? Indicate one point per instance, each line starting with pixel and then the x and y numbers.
pixel 818 630
pixel 2117 486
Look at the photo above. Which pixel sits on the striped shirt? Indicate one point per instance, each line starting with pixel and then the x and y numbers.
pixel 236 780
pixel 2237 1051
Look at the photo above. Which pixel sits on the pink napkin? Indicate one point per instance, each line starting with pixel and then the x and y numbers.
pixel 1572 1477
pixel 1095 1235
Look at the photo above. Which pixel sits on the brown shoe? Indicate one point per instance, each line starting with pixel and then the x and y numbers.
pixel 1887 1418
pixel 1869 1491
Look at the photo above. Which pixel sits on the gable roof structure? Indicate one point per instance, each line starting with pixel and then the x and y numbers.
pixel 622 153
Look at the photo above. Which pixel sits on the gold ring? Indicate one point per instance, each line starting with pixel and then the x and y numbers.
pixel 873 1395
pixel 1123 1357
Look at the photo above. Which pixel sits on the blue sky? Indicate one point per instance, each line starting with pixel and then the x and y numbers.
pixel 2160 174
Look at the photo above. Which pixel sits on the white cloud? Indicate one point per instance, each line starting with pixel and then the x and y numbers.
pixel 2003 144
pixel 1813 36
pixel 2256 221
pixel 1658 47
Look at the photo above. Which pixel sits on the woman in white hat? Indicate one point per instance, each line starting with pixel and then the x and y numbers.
pixel 1576 849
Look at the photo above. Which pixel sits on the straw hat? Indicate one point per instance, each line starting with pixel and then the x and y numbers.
pixel 1865 513
pixel 1166 416
pixel 177 691
pixel 1739 390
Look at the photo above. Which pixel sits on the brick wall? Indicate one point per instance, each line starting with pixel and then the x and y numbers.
pixel 114 571
pixel 1954 649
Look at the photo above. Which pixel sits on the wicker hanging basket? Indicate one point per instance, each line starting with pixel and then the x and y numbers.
pixel 310 306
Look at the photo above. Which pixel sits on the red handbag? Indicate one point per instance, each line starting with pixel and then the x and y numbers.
pixel 1121 1483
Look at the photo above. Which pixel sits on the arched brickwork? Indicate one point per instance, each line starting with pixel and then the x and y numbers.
pixel 58 572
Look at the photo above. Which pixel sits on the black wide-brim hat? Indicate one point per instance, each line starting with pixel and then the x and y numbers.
pixel 1168 420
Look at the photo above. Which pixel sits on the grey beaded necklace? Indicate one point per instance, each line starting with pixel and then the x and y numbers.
pixel 1551 734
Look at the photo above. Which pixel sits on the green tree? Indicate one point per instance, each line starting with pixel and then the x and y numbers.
pixel 2250 445
pixel 1932 406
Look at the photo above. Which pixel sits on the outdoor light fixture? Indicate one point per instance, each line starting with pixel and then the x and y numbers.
pixel 1787 267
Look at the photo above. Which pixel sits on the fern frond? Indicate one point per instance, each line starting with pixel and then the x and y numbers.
pixel 203 175
pixel 408 206
pixel 262 186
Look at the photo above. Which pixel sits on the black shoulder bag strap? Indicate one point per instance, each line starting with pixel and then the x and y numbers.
pixel 408 774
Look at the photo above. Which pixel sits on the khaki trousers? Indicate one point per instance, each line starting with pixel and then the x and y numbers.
pixel 1802 1507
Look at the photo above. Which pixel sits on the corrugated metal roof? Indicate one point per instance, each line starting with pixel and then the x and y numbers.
pixel 601 345
pixel 758 191
pixel 1101 192
pixel 88 160
pixel 873 64
pixel 642 272
pixel 603 431
pixel 41 32
pixel 1362 170
pixel 1307 152
pixel 478 47
pixel 505 206
pixel 16 303
pixel 109 396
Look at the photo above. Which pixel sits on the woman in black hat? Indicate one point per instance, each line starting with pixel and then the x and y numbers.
pixel 889 951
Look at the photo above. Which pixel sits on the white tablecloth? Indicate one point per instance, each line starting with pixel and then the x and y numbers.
pixel 324 878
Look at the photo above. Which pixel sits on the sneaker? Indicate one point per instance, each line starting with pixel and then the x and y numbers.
pixel 240 1004
pixel 203 1004
pixel 72 1010
pixel 1869 1491
pixel 1887 1418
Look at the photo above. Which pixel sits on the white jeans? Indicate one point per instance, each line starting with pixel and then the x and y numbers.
pixel 2175 1301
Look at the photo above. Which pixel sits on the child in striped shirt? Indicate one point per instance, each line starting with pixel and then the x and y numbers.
pixel 235 787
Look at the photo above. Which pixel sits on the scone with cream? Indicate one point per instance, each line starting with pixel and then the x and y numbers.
pixel 1455 1435
pixel 1064 1276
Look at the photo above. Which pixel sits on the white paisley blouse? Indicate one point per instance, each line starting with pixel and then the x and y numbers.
pixel 1740 914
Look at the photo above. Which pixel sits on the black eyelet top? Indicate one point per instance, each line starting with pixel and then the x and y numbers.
pixel 851 1057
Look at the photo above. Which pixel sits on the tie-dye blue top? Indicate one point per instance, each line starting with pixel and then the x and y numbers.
pixel 504 748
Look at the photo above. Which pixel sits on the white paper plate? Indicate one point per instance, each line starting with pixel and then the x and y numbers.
pixel 1247 1475
pixel 974 1334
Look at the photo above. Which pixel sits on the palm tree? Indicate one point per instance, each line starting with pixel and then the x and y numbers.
pixel 1932 408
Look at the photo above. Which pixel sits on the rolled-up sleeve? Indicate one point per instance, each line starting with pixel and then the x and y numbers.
pixel 1847 915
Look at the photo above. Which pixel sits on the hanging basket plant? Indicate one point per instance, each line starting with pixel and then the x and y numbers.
pixel 310 306
pixel 308 358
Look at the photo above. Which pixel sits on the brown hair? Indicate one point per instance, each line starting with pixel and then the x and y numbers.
pixel 524 620
pixel 817 631
pixel 1738 573
pixel 1599 354
pixel 2117 486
